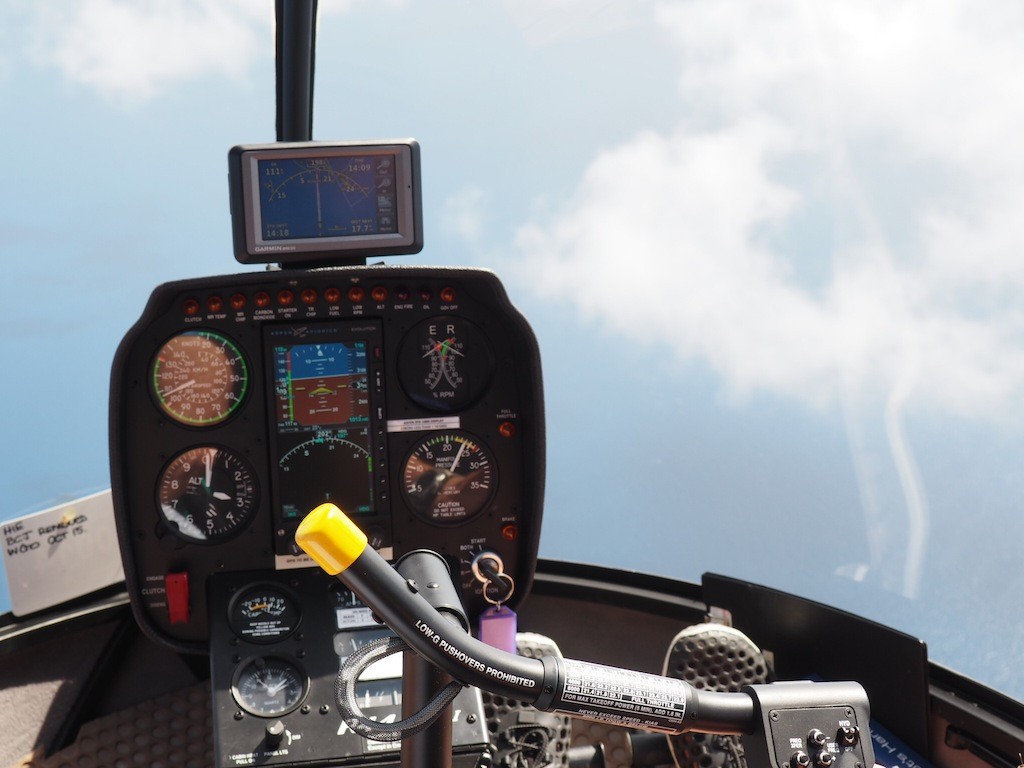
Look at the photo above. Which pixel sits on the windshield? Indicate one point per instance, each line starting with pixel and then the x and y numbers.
pixel 771 252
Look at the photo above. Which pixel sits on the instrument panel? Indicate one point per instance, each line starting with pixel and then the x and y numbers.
pixel 410 397
pixel 277 640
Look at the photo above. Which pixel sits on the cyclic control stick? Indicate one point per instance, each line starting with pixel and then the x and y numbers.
pixel 575 688
pixel 782 725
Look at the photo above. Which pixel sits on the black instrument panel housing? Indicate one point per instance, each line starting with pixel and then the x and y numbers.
pixel 507 416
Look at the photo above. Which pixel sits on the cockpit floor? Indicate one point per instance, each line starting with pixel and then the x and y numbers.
pixel 171 730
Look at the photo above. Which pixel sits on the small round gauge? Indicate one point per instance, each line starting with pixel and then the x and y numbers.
pixel 200 378
pixel 269 686
pixel 263 614
pixel 332 467
pixel 449 477
pixel 445 363
pixel 207 494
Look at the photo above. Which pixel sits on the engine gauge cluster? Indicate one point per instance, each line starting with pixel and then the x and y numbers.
pixel 408 396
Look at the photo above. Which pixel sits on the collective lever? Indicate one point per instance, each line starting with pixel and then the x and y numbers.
pixel 576 688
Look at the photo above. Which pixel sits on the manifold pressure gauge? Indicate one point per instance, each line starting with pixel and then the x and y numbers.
pixel 449 477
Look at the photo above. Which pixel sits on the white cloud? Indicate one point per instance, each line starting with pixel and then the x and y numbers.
pixel 545 22
pixel 838 220
pixel 130 49
pixel 462 214
pixel 900 123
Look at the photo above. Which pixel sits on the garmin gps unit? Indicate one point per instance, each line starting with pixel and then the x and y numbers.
pixel 321 203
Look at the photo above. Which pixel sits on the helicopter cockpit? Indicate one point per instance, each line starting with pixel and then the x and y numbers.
pixel 411 398
pixel 408 401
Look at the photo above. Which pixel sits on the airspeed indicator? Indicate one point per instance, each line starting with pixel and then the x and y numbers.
pixel 199 378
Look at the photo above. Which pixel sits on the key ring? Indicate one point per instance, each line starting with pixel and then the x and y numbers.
pixel 506 593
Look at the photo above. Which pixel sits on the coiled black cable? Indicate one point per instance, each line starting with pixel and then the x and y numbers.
pixel 345 695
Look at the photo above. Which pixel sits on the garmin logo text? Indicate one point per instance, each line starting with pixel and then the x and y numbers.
pixel 272 248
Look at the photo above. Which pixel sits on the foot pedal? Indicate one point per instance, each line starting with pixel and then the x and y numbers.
pixel 712 657
pixel 522 736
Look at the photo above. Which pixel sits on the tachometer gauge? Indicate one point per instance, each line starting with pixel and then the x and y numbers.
pixel 448 478
pixel 269 686
pixel 263 614
pixel 445 363
pixel 200 378
pixel 207 494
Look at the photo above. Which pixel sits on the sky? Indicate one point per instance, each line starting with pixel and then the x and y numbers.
pixel 771 251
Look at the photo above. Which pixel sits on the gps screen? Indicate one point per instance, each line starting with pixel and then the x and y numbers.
pixel 327 197
pixel 325 203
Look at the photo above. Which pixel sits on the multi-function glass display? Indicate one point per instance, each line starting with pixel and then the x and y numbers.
pixel 323 427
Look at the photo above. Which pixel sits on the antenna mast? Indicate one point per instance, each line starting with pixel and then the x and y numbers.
pixel 296 52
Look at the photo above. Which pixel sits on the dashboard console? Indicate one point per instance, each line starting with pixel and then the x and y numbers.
pixel 410 397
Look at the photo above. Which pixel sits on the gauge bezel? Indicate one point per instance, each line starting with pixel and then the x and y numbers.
pixel 178 419
pixel 237 529
pixel 282 657
pixel 263 586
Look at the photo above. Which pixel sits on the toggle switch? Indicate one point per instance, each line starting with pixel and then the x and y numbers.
pixel 176 591
pixel 848 735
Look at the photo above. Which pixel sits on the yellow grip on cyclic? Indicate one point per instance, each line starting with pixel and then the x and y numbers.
pixel 331 538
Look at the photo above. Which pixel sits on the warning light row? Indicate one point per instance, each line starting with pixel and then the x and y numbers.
pixel 309 296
